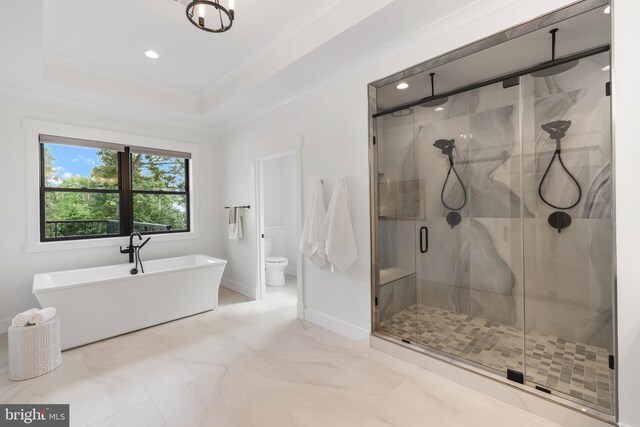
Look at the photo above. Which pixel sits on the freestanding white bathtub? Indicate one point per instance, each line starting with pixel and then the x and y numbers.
pixel 102 302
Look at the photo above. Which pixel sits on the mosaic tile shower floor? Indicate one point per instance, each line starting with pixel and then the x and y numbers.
pixel 578 370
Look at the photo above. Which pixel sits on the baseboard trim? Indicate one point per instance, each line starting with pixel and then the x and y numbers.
pixel 4 325
pixel 248 291
pixel 336 325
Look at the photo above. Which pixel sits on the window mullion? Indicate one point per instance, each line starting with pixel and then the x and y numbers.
pixel 126 195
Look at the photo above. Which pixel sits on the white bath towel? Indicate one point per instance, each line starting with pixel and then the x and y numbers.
pixel 337 229
pixel 235 223
pixel 41 316
pixel 22 319
pixel 311 244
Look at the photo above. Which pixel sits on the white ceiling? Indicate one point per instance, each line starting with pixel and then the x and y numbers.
pixel 92 51
pixel 111 36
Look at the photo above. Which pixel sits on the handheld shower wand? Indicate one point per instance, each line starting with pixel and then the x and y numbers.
pixel 447 146
pixel 557 130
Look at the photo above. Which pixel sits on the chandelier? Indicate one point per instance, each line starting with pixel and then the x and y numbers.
pixel 211 16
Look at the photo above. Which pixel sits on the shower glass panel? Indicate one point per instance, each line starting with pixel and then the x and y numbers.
pixel 569 271
pixel 398 209
pixel 492 174
pixel 470 279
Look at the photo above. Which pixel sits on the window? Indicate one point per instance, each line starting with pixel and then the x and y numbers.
pixel 92 189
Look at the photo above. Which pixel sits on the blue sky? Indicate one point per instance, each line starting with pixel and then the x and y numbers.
pixel 74 161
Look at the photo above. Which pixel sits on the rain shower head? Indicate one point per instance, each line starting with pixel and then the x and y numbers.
pixel 556 69
pixel 446 145
pixel 435 102
pixel 403 113
pixel 558 129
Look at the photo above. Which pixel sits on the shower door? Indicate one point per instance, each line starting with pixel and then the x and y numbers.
pixel 469 281
pixel 494 211
pixel 569 280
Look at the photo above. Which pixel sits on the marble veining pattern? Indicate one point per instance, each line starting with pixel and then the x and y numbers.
pixel 579 371
pixel 477 267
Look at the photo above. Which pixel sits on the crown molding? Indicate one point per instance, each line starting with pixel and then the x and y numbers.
pixel 65 72
pixel 314 28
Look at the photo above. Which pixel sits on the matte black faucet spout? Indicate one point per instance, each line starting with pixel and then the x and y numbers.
pixel 134 251
pixel 131 249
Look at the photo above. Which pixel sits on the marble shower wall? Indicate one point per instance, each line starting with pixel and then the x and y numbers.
pixel 569 275
pixel 501 153
pixel 398 188
pixel 398 206
pixel 474 267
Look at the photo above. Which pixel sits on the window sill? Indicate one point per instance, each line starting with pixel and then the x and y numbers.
pixel 103 242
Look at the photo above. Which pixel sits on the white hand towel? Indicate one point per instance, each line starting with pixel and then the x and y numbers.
pixel 239 223
pixel 235 223
pixel 311 244
pixel 41 316
pixel 337 229
pixel 22 319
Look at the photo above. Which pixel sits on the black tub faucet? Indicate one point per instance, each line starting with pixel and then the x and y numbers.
pixel 131 249
pixel 134 251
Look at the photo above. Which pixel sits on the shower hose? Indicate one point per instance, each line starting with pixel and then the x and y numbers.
pixel 464 190
pixel 557 131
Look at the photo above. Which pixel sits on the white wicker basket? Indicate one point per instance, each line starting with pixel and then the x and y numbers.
pixel 34 350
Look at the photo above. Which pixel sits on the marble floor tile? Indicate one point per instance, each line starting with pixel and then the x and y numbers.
pixel 444 405
pixel 145 414
pixel 226 399
pixel 250 363
pixel 579 371
pixel 92 396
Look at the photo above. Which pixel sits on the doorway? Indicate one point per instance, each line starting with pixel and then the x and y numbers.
pixel 279 228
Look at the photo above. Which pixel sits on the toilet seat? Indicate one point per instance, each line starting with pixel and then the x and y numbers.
pixel 276 259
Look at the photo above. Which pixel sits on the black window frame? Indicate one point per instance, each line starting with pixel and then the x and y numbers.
pixel 125 191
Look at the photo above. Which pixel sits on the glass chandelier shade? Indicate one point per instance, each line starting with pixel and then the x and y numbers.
pixel 214 16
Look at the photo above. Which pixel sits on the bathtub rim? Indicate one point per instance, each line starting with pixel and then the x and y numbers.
pixel 37 289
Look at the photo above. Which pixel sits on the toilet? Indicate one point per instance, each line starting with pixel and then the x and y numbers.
pixel 274 265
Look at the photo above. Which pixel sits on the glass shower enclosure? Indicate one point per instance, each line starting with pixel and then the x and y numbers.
pixel 493 223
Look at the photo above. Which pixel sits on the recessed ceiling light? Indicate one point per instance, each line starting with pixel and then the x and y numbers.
pixel 606 68
pixel 151 54
pixel 438 109
pixel 403 85
pixel 607 10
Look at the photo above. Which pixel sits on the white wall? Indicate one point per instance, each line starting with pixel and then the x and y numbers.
pixel 332 122
pixel 333 125
pixel 16 266
pixel 343 296
pixel 272 185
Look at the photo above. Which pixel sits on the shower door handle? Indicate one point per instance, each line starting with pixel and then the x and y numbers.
pixel 424 240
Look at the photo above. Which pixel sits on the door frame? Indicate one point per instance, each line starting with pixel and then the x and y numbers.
pixel 296 154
